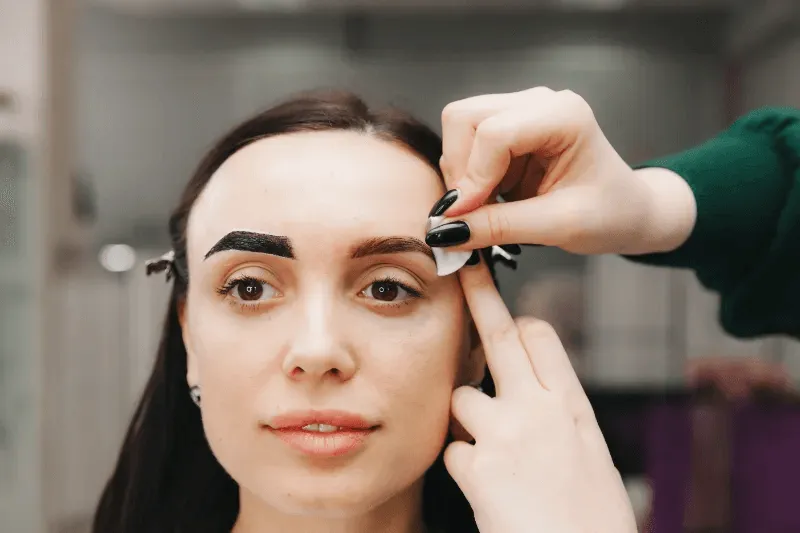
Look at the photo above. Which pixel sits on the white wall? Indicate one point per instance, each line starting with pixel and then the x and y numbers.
pixel 772 77
pixel 108 337
pixel 23 55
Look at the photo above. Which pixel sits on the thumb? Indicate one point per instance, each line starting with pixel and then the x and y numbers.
pixel 545 220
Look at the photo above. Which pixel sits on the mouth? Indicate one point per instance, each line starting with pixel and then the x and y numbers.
pixel 323 434
pixel 326 428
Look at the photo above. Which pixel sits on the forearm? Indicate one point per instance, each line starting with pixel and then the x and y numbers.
pixel 743 242
pixel 672 211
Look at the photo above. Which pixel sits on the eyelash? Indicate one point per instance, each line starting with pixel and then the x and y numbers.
pixel 413 293
pixel 231 284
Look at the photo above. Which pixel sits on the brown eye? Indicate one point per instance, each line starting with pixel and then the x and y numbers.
pixel 385 291
pixel 390 291
pixel 249 290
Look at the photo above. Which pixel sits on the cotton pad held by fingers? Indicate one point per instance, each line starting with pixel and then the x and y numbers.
pixel 447 261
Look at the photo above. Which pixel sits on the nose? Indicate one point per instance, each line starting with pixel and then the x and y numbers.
pixel 318 350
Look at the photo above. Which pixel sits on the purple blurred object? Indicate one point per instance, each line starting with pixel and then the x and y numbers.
pixel 668 458
pixel 766 469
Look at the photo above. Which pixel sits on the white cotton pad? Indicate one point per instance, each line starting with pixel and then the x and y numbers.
pixel 447 262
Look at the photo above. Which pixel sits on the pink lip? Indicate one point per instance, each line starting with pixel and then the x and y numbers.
pixel 342 419
pixel 352 434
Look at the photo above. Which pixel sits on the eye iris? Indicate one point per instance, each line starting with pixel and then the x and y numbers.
pixel 385 291
pixel 250 290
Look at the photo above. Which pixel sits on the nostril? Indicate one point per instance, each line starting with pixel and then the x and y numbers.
pixel 297 371
pixel 334 371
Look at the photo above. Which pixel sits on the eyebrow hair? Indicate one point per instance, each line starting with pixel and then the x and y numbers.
pixel 391 245
pixel 250 241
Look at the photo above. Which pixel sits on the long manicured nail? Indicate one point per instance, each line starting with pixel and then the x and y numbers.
pixel 444 203
pixel 510 263
pixel 513 249
pixel 474 259
pixel 450 234
pixel 501 255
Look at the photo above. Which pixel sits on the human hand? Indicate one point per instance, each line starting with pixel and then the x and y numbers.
pixel 562 182
pixel 539 461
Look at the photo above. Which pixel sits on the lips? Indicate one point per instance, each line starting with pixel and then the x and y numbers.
pixel 340 420
pixel 323 434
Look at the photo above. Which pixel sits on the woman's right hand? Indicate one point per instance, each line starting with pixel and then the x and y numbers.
pixel 562 182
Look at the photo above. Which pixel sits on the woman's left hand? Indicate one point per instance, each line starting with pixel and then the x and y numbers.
pixel 539 462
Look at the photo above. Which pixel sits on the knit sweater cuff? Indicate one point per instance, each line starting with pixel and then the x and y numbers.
pixel 728 178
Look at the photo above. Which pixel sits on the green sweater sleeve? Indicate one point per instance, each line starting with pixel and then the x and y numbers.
pixel 746 241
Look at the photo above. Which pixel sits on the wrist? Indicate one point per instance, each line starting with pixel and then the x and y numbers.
pixel 671 210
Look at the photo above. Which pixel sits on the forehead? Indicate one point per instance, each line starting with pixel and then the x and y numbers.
pixel 318 183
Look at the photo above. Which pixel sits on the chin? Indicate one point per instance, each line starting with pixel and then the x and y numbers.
pixel 335 493
pixel 331 498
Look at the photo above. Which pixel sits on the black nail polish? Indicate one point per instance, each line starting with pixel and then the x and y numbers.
pixel 513 249
pixel 450 234
pixel 474 259
pixel 444 203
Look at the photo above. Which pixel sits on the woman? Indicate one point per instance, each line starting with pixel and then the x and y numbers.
pixel 311 356
pixel 728 209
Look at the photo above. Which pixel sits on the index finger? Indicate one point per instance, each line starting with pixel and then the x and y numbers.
pixel 460 122
pixel 505 353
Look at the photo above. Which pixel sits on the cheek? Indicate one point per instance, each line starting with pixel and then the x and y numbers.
pixel 416 363
pixel 231 357
pixel 226 345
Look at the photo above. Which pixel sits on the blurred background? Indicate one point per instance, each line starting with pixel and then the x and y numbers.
pixel 107 105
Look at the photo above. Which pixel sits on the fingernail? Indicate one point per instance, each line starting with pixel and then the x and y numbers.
pixel 450 234
pixel 509 263
pixel 501 255
pixel 444 203
pixel 513 249
pixel 474 259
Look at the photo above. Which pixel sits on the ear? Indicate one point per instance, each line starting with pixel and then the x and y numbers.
pixel 192 377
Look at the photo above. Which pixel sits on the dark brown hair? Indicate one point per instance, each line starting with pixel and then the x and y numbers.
pixel 166 479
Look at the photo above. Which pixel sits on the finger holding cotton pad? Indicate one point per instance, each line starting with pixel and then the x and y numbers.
pixel 450 261
pixel 447 261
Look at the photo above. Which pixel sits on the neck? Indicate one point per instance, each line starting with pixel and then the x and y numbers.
pixel 400 514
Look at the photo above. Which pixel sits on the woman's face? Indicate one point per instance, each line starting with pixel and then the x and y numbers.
pixel 314 303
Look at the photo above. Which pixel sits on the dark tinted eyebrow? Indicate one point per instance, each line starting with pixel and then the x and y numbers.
pixel 249 241
pixel 391 245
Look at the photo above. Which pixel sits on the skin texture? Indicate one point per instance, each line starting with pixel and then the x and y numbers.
pixel 318 337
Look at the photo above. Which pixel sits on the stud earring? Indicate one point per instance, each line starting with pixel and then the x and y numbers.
pixel 194 393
